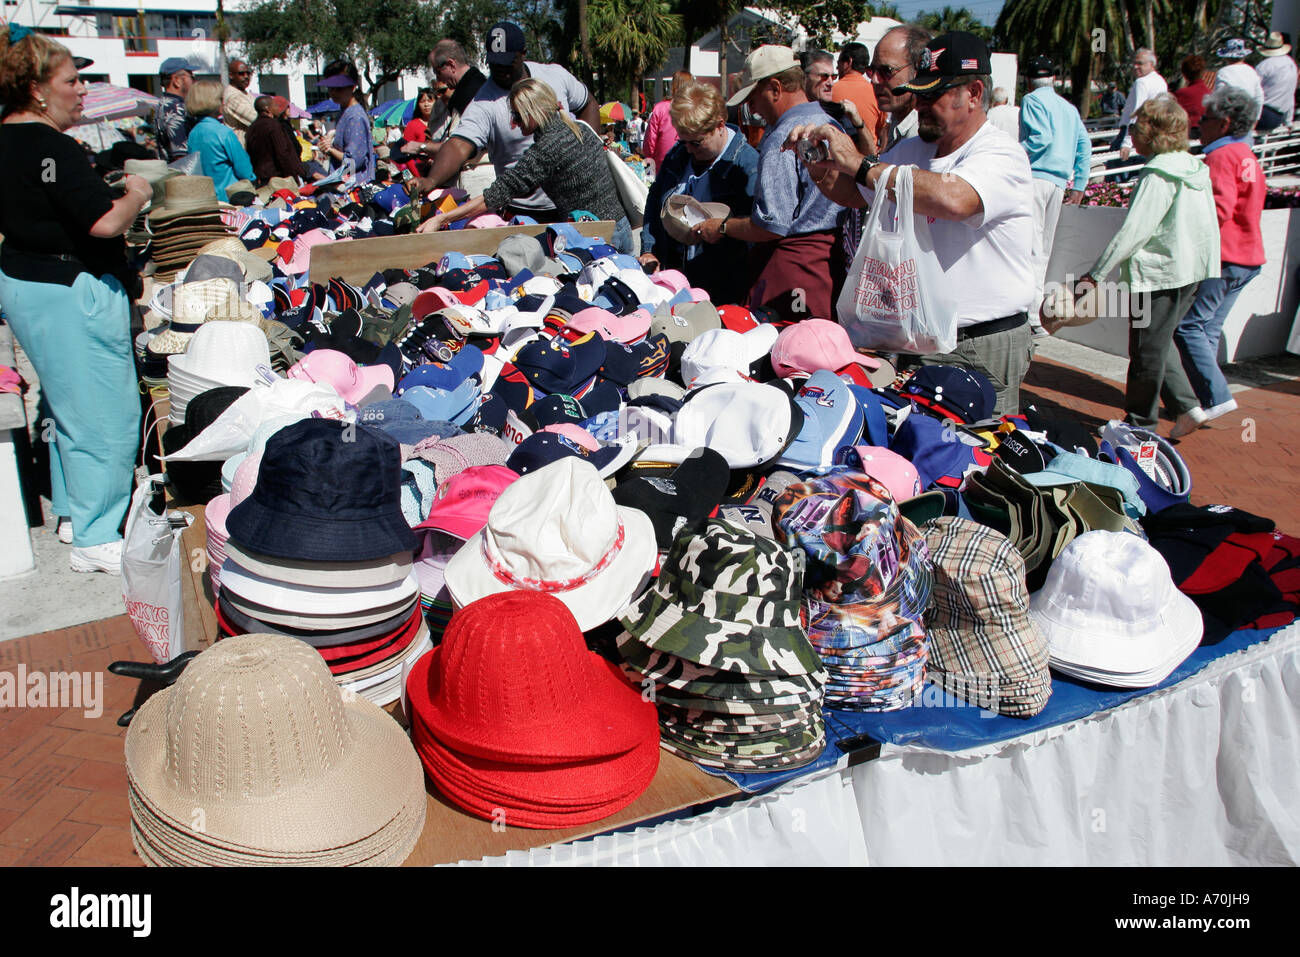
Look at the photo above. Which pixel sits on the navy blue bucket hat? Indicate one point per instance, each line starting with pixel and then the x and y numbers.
pixel 326 491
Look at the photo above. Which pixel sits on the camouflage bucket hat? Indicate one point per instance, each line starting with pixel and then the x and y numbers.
pixel 726 599
pixel 669 671
pixel 846 522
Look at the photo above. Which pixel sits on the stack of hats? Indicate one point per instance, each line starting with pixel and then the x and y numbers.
pixel 197 482
pixel 218 510
pixel 319 551
pixel 518 723
pixel 221 353
pixel 719 640
pixel 188 219
pixel 866 585
pixel 205 793
pixel 1112 615
pixel 984 646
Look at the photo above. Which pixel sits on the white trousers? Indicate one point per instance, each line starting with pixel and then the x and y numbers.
pixel 1047 210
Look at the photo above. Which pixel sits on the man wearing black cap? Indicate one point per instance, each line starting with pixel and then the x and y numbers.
pixel 172 121
pixel 486 123
pixel 1060 155
pixel 973 185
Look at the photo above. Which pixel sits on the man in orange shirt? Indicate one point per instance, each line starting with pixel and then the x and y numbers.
pixel 854 61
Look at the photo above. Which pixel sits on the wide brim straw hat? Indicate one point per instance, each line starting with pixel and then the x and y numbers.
pixel 323 778
pixel 187 195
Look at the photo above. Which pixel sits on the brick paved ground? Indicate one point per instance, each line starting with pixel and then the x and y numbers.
pixel 62 780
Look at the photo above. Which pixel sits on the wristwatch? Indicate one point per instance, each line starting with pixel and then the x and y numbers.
pixel 860 177
pixel 722 230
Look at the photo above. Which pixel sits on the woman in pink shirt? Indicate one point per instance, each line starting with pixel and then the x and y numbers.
pixel 660 135
pixel 1238 183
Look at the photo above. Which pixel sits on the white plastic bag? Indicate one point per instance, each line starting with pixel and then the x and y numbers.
pixel 151 573
pixel 895 298
pixel 632 191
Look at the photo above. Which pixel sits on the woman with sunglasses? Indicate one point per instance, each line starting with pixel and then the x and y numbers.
pixel 712 162
pixel 566 161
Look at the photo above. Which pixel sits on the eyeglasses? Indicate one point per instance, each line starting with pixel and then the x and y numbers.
pixel 886 73
pixel 820 77
pixel 931 95
pixel 697 143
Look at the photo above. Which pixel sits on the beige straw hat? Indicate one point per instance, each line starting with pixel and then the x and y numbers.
pixel 255 756
pixel 187 195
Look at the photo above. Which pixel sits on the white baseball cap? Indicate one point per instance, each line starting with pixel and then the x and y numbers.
pixel 724 355
pixel 759 65
pixel 748 423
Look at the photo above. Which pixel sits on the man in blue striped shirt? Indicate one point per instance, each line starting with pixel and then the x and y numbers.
pixel 1059 157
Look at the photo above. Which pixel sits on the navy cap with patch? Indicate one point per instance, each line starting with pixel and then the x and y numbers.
pixel 963 395
pixel 504 42
pixel 554 410
pixel 554 365
pixel 542 448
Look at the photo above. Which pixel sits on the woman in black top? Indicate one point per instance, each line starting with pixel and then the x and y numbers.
pixel 63 279
pixel 566 161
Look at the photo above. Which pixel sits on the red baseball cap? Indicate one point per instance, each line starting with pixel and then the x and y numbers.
pixel 463 501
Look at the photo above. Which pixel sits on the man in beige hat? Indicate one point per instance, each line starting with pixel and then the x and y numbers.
pixel 1277 74
pixel 792 226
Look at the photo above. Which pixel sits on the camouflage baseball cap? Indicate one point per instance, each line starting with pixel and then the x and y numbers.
pixel 727 599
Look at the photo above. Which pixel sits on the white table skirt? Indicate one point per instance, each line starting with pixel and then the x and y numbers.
pixel 1204 773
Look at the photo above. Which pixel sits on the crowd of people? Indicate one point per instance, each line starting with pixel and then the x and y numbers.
pixel 781 220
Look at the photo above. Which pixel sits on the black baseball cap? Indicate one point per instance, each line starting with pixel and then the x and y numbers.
pixel 946 59
pixel 81 62
pixel 504 41
pixel 1040 66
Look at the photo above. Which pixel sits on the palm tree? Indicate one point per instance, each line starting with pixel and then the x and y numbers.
pixel 948 19
pixel 631 36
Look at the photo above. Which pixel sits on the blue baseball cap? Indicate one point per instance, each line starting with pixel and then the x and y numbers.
pixel 174 64
pixel 448 405
pixel 543 448
pixel 940 452
pixel 832 419
pixel 962 395
pixel 504 42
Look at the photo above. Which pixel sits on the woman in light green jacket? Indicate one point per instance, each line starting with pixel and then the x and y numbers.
pixel 1169 242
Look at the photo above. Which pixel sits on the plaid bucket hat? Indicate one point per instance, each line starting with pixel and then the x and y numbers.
pixel 726 599
pixel 984 647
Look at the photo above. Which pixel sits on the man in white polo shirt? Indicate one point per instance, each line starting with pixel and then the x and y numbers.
pixel 974 184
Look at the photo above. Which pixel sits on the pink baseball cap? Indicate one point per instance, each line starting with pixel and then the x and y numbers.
pixel 462 503
pixel 245 478
pixel 576 433
pixel 336 369
pixel 629 329
pixel 671 279
pixel 814 344
pixel 885 466
pixel 301 258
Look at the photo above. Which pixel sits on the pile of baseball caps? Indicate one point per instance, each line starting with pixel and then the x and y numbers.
pixel 754 523
pixel 255 757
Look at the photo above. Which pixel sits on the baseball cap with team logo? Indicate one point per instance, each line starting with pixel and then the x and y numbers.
pixel 832 419
pixel 945 61
pixel 675 495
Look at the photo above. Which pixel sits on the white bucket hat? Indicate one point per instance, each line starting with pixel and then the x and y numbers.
pixel 558 530
pixel 748 423
pixel 1111 613
pixel 724 355
pixel 225 352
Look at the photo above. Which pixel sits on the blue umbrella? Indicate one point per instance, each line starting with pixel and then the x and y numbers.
pixel 324 106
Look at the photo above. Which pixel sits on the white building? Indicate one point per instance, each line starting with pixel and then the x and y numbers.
pixel 128 43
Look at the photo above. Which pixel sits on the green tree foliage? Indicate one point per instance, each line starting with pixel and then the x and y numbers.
pixel 948 19
pixel 385 38
pixel 630 37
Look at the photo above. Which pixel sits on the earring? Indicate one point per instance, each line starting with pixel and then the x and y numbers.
pixel 40 101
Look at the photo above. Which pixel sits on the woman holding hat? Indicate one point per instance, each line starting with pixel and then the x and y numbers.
pixel 566 160
pixel 352 138
pixel 64 284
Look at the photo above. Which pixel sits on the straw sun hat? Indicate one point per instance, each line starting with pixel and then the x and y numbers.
pixel 323 779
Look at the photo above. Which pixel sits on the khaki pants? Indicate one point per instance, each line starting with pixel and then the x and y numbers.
pixel 1003 358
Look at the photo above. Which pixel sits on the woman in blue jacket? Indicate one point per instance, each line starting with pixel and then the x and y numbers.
pixel 712 162
pixel 223 157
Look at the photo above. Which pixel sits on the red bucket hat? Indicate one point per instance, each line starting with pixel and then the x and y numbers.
pixel 513 681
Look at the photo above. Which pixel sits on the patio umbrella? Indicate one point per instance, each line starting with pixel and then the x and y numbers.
pixel 104 101
pixel 394 112
pixel 297 112
pixel 324 106
pixel 613 111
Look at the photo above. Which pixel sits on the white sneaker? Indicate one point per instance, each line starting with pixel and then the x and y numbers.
pixel 97 558
pixel 1223 408
pixel 1188 422
pixel 64 530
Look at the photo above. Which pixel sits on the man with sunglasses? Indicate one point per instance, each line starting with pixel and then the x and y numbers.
pixel 973 186
pixel 892 64
pixel 237 105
